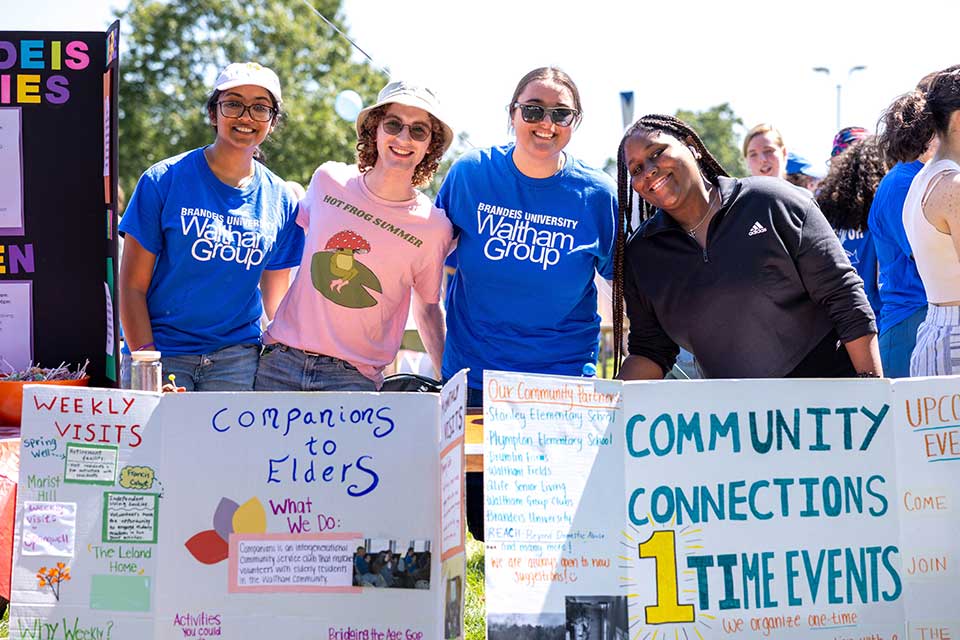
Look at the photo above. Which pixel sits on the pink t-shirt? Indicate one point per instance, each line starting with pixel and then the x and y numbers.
pixel 362 258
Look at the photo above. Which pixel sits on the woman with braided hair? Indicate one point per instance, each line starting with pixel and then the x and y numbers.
pixel 744 273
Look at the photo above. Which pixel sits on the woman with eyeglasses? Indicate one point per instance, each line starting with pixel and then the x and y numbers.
pixel 744 273
pixel 210 237
pixel 533 226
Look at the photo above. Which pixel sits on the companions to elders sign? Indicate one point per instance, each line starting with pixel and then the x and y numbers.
pixel 274 515
pixel 58 209
pixel 713 509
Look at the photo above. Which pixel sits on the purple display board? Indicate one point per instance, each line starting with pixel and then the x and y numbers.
pixel 58 212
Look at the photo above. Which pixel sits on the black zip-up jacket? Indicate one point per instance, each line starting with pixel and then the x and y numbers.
pixel 771 283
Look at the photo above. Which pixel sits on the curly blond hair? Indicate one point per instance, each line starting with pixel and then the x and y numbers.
pixel 367 147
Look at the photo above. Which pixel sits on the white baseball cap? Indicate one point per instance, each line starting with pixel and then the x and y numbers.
pixel 240 73
pixel 411 95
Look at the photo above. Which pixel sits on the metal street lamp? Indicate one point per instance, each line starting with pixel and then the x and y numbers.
pixel 850 71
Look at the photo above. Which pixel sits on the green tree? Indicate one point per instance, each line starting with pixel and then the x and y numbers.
pixel 719 127
pixel 461 144
pixel 175 48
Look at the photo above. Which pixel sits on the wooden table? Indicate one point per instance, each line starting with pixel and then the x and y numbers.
pixel 473 440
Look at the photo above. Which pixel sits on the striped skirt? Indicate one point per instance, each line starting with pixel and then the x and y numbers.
pixel 938 343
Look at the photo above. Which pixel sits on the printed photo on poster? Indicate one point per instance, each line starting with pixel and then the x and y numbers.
pixel 596 618
pixel 392 564
pixel 526 626
pixel 453 604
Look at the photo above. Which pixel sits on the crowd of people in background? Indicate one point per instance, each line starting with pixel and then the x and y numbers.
pixel 790 272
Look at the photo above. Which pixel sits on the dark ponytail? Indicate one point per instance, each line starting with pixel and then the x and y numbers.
pixel 710 169
pixel 911 121
pixel 905 128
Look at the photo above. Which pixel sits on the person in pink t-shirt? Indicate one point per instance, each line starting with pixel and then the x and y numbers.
pixel 374 244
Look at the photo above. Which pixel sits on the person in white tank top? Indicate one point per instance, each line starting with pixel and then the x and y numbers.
pixel 931 219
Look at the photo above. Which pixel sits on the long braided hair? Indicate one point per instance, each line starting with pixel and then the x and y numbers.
pixel 710 169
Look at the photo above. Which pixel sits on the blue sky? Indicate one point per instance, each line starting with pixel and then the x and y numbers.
pixel 756 55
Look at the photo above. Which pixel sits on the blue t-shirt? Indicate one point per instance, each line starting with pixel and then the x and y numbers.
pixel 523 297
pixel 212 243
pixel 361 565
pixel 901 290
pixel 858 245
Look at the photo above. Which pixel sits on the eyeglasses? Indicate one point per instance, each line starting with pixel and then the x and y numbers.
pixel 258 112
pixel 533 113
pixel 418 131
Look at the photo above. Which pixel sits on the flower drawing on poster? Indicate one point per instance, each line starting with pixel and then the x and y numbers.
pixel 53 577
pixel 212 546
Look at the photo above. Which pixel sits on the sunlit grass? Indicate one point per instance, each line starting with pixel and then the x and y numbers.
pixel 475 607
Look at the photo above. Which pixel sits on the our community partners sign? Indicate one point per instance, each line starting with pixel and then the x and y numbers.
pixel 709 509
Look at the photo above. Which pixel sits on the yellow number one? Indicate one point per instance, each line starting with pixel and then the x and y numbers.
pixel 662 547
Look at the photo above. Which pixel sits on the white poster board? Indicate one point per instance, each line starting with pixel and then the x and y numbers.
pixel 207 515
pixel 927 412
pixel 715 509
pixel 547 443
pixel 90 469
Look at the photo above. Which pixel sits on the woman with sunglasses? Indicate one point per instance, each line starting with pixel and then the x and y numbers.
pixel 374 245
pixel 533 227
pixel 210 237
pixel 744 273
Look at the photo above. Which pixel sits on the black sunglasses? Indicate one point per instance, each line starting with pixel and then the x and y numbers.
pixel 418 131
pixel 533 113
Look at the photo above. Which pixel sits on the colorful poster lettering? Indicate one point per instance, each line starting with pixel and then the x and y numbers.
pixel 58 92
pixel 715 509
pixel 88 510
pixel 143 516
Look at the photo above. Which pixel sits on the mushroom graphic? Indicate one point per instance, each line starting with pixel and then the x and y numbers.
pixel 344 244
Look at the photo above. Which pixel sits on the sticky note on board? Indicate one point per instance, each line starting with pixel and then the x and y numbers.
pixel 90 464
pixel 130 517
pixel 49 529
pixel 120 593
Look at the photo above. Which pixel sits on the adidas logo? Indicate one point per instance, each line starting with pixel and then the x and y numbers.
pixel 757 229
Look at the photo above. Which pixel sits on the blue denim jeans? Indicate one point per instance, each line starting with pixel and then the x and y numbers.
pixel 283 368
pixel 896 345
pixel 229 369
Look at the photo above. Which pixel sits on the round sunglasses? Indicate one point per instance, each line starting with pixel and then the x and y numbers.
pixel 418 131
pixel 533 113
